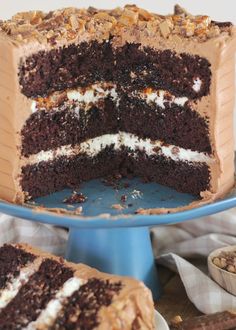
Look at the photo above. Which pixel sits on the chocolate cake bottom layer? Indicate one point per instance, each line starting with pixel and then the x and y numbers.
pixel 47 177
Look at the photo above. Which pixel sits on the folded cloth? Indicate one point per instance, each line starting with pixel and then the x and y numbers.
pixel 171 245
pixel 193 239
pixel 46 237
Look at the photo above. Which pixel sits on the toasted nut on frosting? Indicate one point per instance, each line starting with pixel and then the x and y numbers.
pixel 71 23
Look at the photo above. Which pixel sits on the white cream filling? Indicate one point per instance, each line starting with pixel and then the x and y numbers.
pixel 197 84
pixel 160 97
pixel 92 94
pixel 33 106
pixel 85 96
pixel 48 316
pixel 13 287
pixel 93 146
pixel 96 92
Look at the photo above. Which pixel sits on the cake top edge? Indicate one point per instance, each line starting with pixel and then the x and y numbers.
pixel 69 24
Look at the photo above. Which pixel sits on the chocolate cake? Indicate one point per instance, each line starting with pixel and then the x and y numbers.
pixel 87 93
pixel 39 291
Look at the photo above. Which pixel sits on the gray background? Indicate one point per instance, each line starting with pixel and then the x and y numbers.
pixel 219 9
pixel 224 10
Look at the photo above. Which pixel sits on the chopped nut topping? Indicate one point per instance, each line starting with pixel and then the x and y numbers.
pixel 165 29
pixel 178 10
pixel 226 261
pixel 74 22
pixel 69 23
pixel 103 16
pixel 129 17
pixel 213 32
pixel 71 34
pixel 144 15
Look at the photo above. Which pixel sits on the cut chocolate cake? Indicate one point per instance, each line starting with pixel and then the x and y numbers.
pixel 39 291
pixel 89 93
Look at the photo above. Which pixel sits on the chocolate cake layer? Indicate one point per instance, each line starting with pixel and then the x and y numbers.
pixel 45 130
pixel 138 68
pixel 185 177
pixel 11 260
pixel 129 66
pixel 178 125
pixel 36 293
pixel 66 67
pixel 47 177
pixel 68 172
pixel 88 300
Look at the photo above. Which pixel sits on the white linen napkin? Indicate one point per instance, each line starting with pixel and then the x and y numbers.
pixel 46 237
pixel 171 245
pixel 192 239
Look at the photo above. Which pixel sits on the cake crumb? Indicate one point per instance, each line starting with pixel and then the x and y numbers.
pixel 118 207
pixel 136 194
pixel 31 202
pixel 75 198
pixel 79 210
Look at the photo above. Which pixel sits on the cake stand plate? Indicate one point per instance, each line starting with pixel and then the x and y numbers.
pixel 113 240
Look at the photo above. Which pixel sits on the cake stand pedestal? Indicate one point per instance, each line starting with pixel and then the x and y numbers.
pixel 122 251
pixel 117 243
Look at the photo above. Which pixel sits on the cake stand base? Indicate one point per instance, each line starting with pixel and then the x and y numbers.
pixel 121 251
pixel 119 244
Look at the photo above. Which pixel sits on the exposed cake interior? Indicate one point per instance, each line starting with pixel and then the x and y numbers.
pixel 50 294
pixel 105 99
pixel 83 127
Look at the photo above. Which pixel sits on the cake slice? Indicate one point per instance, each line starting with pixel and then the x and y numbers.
pixel 87 93
pixel 40 291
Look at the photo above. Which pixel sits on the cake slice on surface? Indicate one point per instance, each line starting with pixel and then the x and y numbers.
pixel 87 93
pixel 40 291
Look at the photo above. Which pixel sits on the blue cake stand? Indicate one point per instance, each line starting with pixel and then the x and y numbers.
pixel 112 240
